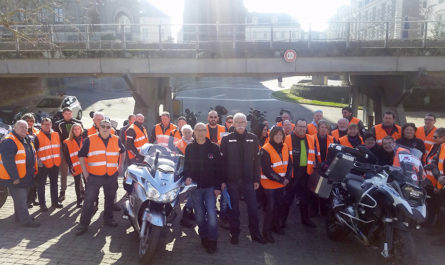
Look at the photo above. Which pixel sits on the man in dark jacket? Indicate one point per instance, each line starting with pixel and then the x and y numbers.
pixel 63 127
pixel 18 178
pixel 203 166
pixel 242 175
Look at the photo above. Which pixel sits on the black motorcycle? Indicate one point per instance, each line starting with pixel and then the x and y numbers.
pixel 380 205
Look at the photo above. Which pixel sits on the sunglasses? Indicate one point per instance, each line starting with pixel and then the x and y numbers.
pixel 105 127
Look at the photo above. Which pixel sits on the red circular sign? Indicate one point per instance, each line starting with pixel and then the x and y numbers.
pixel 290 55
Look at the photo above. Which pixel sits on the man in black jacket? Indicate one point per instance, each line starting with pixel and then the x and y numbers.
pixel 242 175
pixel 15 176
pixel 63 127
pixel 203 166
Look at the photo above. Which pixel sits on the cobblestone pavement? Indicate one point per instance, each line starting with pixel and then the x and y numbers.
pixel 55 243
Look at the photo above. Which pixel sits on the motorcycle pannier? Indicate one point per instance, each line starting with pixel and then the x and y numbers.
pixel 319 185
pixel 340 167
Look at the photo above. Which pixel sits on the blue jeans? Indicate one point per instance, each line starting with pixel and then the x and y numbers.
pixel 204 204
pixel 19 196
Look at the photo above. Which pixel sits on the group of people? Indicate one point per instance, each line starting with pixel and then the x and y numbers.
pixel 268 168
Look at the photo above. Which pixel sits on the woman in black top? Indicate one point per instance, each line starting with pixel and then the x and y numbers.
pixel 409 139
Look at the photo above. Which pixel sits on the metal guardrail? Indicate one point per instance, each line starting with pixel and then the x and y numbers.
pixel 410 34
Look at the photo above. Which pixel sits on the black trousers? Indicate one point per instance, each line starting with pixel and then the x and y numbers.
pixel 42 175
pixel 235 190
pixel 297 187
pixel 433 206
pixel 77 186
pixel 273 209
pixel 93 185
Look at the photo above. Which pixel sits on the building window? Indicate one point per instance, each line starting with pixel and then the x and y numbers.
pixel 58 15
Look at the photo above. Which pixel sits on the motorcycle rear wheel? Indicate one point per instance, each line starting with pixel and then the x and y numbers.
pixel 149 243
pixel 3 195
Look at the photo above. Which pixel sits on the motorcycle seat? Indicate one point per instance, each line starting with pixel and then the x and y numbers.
pixel 354 186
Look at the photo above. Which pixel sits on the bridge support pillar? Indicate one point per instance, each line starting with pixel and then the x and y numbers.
pixel 384 93
pixel 149 94
pixel 319 80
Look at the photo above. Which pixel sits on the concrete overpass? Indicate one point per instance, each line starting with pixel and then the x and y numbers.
pixel 382 72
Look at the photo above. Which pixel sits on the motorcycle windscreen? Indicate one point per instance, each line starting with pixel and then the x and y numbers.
pixel 165 157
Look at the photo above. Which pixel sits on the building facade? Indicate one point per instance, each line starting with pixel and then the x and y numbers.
pixel 371 19
pixel 272 26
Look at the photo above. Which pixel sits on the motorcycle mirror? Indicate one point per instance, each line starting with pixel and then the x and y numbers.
pixel 145 148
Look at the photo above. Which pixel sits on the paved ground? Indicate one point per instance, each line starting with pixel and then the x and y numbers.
pixel 55 243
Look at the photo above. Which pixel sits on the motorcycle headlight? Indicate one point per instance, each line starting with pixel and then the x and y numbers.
pixel 411 192
pixel 152 193
pixel 171 195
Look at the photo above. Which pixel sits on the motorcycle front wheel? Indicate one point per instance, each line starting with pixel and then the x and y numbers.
pixel 404 249
pixel 3 195
pixel 149 243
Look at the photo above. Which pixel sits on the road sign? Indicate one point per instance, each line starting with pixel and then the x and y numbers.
pixel 290 55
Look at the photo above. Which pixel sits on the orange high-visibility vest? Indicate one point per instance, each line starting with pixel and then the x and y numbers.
pixel 181 145
pixel 103 160
pixel 49 151
pixel 354 120
pixel 345 141
pixel 279 165
pixel 336 134
pixel 380 133
pixel 440 166
pixel 427 139
pixel 429 175
pixel 162 137
pixel 73 149
pixel 221 131
pixel 34 131
pixel 310 152
pixel 141 138
pixel 176 134
pixel 20 159
pixel 396 162
pixel 93 130
pixel 311 129
pixel 329 140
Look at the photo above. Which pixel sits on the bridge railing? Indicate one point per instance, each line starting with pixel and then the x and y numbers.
pixel 195 36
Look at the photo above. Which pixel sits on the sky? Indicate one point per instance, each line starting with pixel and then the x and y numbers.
pixel 314 12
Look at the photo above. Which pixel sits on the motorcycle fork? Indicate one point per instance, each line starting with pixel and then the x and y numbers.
pixel 144 224
pixel 389 232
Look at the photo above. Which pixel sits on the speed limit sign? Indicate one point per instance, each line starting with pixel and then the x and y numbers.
pixel 290 55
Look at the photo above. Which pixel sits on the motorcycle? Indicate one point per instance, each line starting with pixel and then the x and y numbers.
pixel 380 205
pixel 154 187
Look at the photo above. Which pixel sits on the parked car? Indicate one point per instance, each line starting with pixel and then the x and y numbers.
pixel 52 106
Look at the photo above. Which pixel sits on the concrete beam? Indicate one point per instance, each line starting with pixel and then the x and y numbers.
pixel 167 67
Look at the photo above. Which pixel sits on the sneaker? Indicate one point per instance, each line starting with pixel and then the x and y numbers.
pixel 31 224
pixel 80 230
pixel 234 239
pixel 57 205
pixel 111 223
pixel 259 239
pixel 62 196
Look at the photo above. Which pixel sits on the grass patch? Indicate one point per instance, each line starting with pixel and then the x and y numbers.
pixel 285 95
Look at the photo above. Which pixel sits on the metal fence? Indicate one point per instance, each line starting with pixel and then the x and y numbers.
pixel 18 38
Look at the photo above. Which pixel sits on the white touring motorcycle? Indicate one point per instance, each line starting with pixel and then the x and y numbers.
pixel 154 187
pixel 380 205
